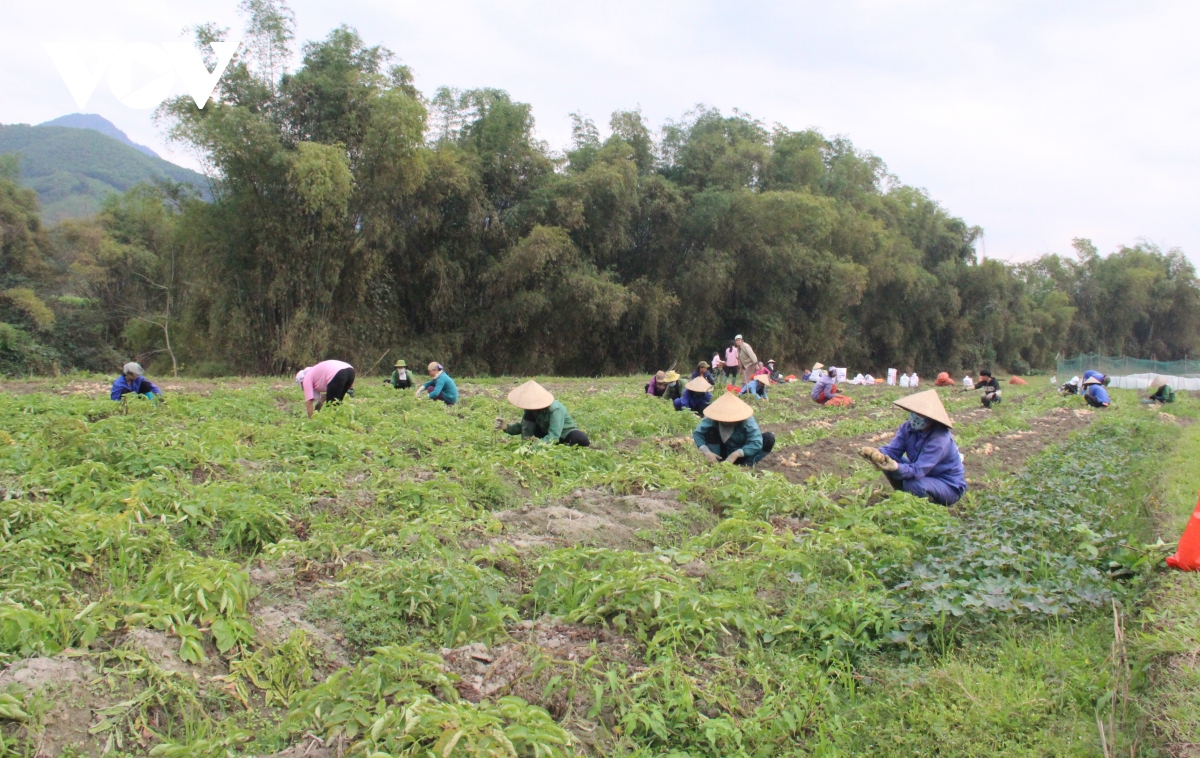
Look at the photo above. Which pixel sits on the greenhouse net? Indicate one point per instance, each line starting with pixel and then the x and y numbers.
pixel 1133 373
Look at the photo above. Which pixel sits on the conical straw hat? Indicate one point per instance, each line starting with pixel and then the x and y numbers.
pixel 1157 382
pixel 531 396
pixel 699 384
pixel 1091 380
pixel 763 378
pixel 729 409
pixel 927 404
pixel 818 366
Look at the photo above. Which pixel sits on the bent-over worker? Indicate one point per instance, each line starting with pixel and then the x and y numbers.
pixel 133 380
pixel 1094 393
pixel 697 395
pixel 326 382
pixel 922 459
pixel 1160 392
pixel 545 418
pixel 729 433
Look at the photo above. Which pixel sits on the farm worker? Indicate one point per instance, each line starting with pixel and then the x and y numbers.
pixel 746 357
pixel 923 459
pixel 1102 378
pixel 757 386
pixel 702 371
pixel 1160 392
pixel 824 390
pixel 665 384
pixel 717 363
pixel 440 386
pixel 814 374
pixel 731 361
pixel 729 433
pixel 775 374
pixel 1070 387
pixel 990 387
pixel 328 381
pixel 943 380
pixel 133 379
pixel 697 395
pixel 1094 393
pixel 544 418
pixel 401 377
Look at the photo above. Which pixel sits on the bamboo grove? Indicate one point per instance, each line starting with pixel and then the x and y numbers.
pixel 354 215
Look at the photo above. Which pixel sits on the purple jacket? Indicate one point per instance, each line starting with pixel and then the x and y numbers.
pixel 930 452
pixel 823 389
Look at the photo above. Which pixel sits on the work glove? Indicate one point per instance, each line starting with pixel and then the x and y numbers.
pixel 499 424
pixel 710 455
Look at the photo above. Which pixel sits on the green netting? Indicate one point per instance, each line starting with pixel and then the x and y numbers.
pixel 1122 366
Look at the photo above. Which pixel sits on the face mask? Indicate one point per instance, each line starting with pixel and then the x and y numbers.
pixel 917 422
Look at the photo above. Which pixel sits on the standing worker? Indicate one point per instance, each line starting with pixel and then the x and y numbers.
pixel 326 382
pixel 545 418
pixel 440 386
pixel 133 380
pixel 922 459
pixel 746 358
pixel 731 361
pixel 401 377
pixel 729 433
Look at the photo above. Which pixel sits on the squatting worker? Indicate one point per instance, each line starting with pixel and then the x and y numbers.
pixel 326 382
pixel 990 387
pixel 746 358
pixel 668 384
pixel 440 386
pixel 401 378
pixel 1160 392
pixel 545 418
pixel 697 395
pixel 133 380
pixel 1094 393
pixel 922 459
pixel 729 433
pixel 824 390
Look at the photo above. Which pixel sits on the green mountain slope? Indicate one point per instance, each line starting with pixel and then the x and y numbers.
pixel 72 170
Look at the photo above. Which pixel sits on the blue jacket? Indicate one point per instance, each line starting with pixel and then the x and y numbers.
pixel 1090 373
pixel 693 401
pixel 708 377
pixel 140 385
pixel 1097 393
pixel 443 388
pixel 746 437
pixel 754 387
pixel 930 452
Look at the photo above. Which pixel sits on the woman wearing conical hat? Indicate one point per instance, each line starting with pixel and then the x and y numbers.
pixel 757 386
pixel 1160 392
pixel 923 459
pixel 729 433
pixel 545 417
pixel 697 395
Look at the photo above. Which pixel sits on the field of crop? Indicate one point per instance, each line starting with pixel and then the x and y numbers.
pixel 219 576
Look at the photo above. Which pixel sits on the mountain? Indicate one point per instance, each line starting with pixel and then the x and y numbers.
pixel 73 169
pixel 98 123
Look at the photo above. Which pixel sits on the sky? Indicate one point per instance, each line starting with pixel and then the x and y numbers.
pixel 1039 122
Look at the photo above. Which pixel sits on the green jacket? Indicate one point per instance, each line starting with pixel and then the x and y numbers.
pixel 675 389
pixel 1165 394
pixel 549 424
pixel 408 377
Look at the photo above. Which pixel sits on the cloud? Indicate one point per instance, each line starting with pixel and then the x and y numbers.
pixel 1039 122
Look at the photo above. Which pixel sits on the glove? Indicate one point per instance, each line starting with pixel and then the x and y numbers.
pixel 710 455
pixel 499 423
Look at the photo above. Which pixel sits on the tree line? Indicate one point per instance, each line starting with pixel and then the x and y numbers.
pixel 353 217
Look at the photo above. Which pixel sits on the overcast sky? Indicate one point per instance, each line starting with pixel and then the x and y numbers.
pixel 1037 121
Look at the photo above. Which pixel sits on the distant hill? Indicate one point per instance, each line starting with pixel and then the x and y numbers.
pixel 73 169
pixel 98 123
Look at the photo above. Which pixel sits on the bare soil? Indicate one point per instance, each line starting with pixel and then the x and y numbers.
pixel 589 517
pixel 64 683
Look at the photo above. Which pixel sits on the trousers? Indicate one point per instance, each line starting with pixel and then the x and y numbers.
pixel 339 385
pixel 712 440
pixel 927 487
pixel 576 438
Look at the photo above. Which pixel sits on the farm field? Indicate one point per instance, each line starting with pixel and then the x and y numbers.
pixel 217 575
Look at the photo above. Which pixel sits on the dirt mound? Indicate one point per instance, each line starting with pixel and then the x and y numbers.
pixel 63 682
pixel 163 651
pixel 1007 453
pixel 274 624
pixel 589 517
